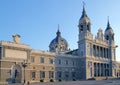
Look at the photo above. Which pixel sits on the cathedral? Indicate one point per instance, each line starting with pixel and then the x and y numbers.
pixel 94 58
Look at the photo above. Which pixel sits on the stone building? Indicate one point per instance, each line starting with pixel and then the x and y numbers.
pixel 94 57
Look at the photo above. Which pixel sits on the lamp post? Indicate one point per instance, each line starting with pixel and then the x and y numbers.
pixel 24 65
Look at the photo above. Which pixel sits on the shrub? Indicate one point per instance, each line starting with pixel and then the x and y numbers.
pixel 51 80
pixel 41 80
pixel 74 80
pixel 59 80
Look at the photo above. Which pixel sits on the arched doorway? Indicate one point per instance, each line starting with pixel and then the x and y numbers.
pixel 16 73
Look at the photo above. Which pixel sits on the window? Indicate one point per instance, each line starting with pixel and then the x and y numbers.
pixel 66 62
pixel 32 59
pixel 41 60
pixel 107 37
pixel 42 74
pixel 81 53
pixel 81 26
pixel 59 61
pixel 73 74
pixel 59 74
pixel 51 74
pixel 66 74
pixel 88 27
pixel 33 74
pixel 73 63
pixel 51 61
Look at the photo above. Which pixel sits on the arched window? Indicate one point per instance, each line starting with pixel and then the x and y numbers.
pixel 81 27
pixel 107 37
pixel 88 28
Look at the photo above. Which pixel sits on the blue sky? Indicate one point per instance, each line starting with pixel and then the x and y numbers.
pixel 37 20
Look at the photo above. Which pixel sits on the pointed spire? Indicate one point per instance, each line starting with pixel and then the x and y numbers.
pixel 84 12
pixel 58 32
pixel 108 24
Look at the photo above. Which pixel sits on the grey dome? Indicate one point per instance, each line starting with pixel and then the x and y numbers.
pixel 59 44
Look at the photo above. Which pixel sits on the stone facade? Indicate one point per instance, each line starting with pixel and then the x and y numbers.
pixel 94 57
pixel 97 54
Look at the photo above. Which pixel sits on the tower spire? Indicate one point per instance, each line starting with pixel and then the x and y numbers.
pixel 84 12
pixel 108 24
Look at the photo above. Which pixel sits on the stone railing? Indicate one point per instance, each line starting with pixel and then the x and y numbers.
pixel 101 42
pixel 42 52
pixel 67 55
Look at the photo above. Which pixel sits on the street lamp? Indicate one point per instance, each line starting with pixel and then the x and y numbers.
pixel 24 65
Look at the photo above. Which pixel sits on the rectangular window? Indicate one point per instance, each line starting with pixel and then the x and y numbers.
pixel 51 74
pixel 32 59
pixel 59 61
pixel 66 62
pixel 73 63
pixel 51 61
pixel 59 74
pixel 41 60
pixel 42 74
pixel 66 74
pixel 73 74
pixel 33 74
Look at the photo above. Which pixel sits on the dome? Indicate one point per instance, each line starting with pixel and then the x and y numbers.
pixel 59 44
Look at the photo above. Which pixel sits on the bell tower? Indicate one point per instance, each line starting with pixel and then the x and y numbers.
pixel 85 34
pixel 85 39
pixel 109 37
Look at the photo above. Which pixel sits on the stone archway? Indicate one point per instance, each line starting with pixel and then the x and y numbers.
pixel 16 73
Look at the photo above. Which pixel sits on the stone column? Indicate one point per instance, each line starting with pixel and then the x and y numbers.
pixel 98 51
pixel 95 51
pixel 100 68
pixel 96 69
pixel 103 51
pixel 106 52
pixel 103 69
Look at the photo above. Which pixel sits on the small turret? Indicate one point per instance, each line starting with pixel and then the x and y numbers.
pixel 109 33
